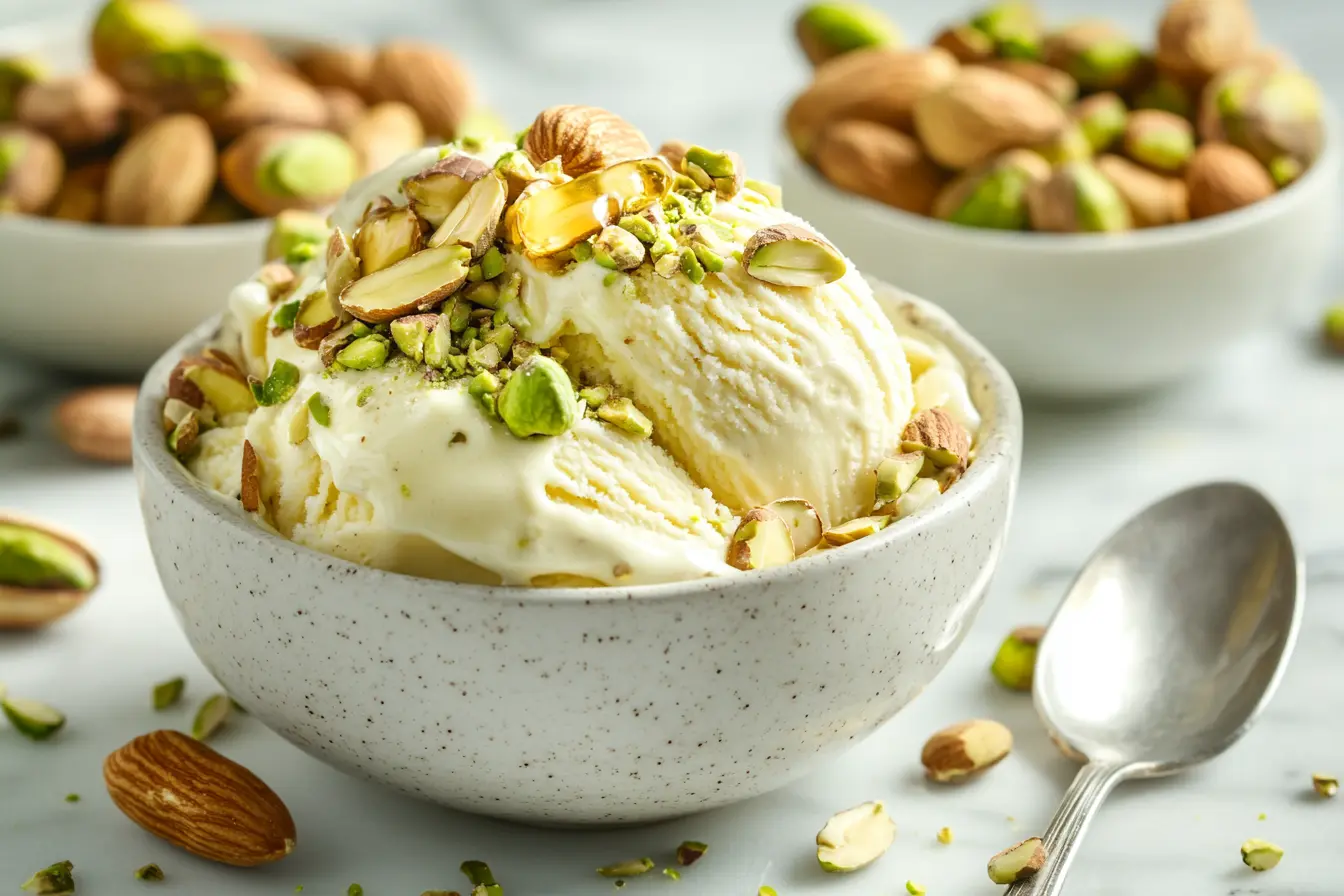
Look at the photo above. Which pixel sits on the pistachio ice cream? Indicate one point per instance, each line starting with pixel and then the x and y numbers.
pixel 571 361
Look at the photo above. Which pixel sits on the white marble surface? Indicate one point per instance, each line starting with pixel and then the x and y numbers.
pixel 1271 414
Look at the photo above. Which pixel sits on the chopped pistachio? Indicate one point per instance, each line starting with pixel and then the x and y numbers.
pixel 582 251
pixel 710 260
pixel 283 319
pixel 1014 665
pixel 855 838
pixel 772 193
pixel 213 713
pixel 704 203
pixel 896 474
pixel 853 530
pixel 167 693
pixel 365 353
pixel 595 395
pixel 1332 328
pixel 1325 785
pixel 72 797
pixel 54 880
pixel 914 889
pixel 1260 855
pixel 672 873
pixel 628 868
pixel 691 267
pixel 618 249
pixel 622 414
pixel 34 720
pixel 483 388
pixel 279 387
pixel 482 879
pixel 1017 862
pixel 354 890
pixel 640 227
pixel 944 836
pixel 668 266
pixel 150 872
pixel 767 891
pixel 492 263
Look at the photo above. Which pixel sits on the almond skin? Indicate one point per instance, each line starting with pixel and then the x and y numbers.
pixel 350 68
pixel 77 111
pixel 182 791
pixel 1196 39
pixel 585 138
pixel 163 176
pixel 270 98
pixel 879 162
pixel 95 423
pixel 428 80
pixel 879 85
pixel 1153 200
pixel 35 175
pixel 1222 178
pixel 983 111
pixel 965 749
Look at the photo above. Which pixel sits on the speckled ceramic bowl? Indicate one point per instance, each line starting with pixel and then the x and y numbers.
pixel 582 706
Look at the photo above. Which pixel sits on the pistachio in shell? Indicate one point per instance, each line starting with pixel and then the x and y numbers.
pixel 16 73
pixel 1077 198
pixel 1057 84
pixel 1160 140
pixel 1014 26
pixel 386 132
pixel 44 573
pixel 827 30
pixel 1223 178
pixel 993 195
pixel 980 113
pixel 1269 113
pixel 1097 54
pixel 879 162
pixel 1154 200
pixel 1102 117
pixel 76 111
pixel 1196 39
pixel 269 98
pixel 125 30
pixel 967 44
pixel 31 169
pixel 270 169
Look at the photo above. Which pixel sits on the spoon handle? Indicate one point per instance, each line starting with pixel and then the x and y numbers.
pixel 1079 806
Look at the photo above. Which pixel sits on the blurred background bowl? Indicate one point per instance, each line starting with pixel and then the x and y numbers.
pixel 104 299
pixel 1091 316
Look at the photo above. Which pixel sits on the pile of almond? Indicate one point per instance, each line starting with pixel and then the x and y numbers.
pixel 1007 124
pixel 179 124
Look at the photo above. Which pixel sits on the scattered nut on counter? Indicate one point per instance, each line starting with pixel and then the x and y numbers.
pixel 855 838
pixel 1260 855
pixel 1018 862
pixel 44 573
pixel 179 124
pixel 965 749
pixel 1014 665
pixel 1006 123
pixel 95 423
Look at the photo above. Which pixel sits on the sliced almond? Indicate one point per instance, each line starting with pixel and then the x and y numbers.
pixel 855 838
pixel 790 255
pixel 965 749
pixel 437 190
pixel 803 521
pixel 386 238
pixel 474 221
pixel 414 284
pixel 222 384
pixel 342 263
pixel 317 317
pixel 944 441
pixel 250 479
pixel 896 474
pixel 762 540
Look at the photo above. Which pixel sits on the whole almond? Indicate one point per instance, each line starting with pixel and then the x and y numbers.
pixel 428 80
pixel 965 749
pixel 385 133
pixel 1153 199
pixel 162 177
pixel 1222 178
pixel 270 98
pixel 879 162
pixel 585 138
pixel 76 111
pixel 34 169
pixel 184 792
pixel 347 67
pixel 345 108
pixel 1196 39
pixel 879 84
pixel 96 423
pixel 1059 86
pixel 981 112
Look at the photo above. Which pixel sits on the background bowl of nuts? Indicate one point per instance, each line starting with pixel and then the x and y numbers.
pixel 142 153
pixel 1107 216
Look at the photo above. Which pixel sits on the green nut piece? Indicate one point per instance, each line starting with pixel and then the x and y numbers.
pixel 1078 198
pixel 640 227
pixel 722 172
pixel 55 880
pixel 1015 664
pixel 319 410
pixel 1260 855
pixel 34 720
pixel 1071 145
pixel 197 75
pixel 628 868
pixel 33 558
pixel 1284 170
pixel 482 879
pixel 1160 140
pixel 1269 114
pixel 365 353
pixel 538 399
pixel 167 693
pixel 308 165
pixel 622 414
pixel 149 872
pixel 691 266
pixel 826 30
pixel 128 29
pixel 16 73
pixel 896 474
pixel 1102 118
pixel 285 315
pixel 1015 28
pixel 993 195
pixel 492 263
pixel 294 228
pixel 1326 786
pixel 595 395
pixel 1332 329
pixel 582 251
pixel 502 337
pixel 771 192
pixel 411 332
pixel 279 387
pixel 483 387
pixel 690 852
pixel 212 714
pixel 617 249
pixel 1097 54
pixel 1018 862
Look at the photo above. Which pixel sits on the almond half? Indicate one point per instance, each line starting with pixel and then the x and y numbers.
pixel 184 792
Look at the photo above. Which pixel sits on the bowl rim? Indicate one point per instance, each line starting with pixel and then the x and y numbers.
pixel 998 456
pixel 1319 175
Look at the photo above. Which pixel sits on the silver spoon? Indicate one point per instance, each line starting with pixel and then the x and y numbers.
pixel 1169 643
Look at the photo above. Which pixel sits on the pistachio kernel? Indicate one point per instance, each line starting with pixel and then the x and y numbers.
pixel 622 414
pixel 1260 855
pixel 365 353
pixel 538 399
pixel 691 266
pixel 628 868
pixel 211 716
pixel 31 718
pixel 1014 665
pixel 789 255
pixel 1332 329
pixel 690 852
pixel 54 880
pixel 150 872
pixel 279 387
pixel 167 693
pixel 1017 862
pixel 617 249
pixel 855 838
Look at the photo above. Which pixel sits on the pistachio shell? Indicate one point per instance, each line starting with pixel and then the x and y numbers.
pixel 1097 54
pixel 879 162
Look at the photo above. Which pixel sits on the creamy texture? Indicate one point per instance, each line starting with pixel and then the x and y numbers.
pixel 756 392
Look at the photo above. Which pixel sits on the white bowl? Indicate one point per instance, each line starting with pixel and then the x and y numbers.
pixel 106 299
pixel 1093 315
pixel 582 706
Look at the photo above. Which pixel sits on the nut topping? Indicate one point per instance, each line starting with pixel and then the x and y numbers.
pixel 1018 862
pixel 965 749
pixel 418 282
pixel 943 441
pixel 436 191
pixel 474 220
pixel 762 540
pixel 584 138
pixel 789 255
pixel 803 521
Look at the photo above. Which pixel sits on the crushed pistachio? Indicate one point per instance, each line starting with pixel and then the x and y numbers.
pixel 405 490
pixel 32 719
pixel 628 868
pixel 54 880
pixel 1260 855
pixel 672 873
pixel 944 836
pixel 279 387
pixel 284 316
pixel 482 879
pixel 354 890
pixel 72 797
pixel 211 716
pixel 690 852
pixel 766 891
pixel 149 872
pixel 914 889
pixel 1326 786
pixel 318 409
pixel 364 395
pixel 167 693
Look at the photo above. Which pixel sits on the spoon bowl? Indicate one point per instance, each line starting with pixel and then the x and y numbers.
pixel 1173 636
pixel 1168 645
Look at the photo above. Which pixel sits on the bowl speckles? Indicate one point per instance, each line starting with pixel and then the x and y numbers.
pixel 582 706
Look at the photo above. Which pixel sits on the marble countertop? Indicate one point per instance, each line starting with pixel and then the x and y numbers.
pixel 1270 414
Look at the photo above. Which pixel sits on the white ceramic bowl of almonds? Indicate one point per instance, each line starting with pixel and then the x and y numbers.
pixel 583 706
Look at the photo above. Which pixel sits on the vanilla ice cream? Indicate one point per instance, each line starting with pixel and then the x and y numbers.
pixel 557 376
